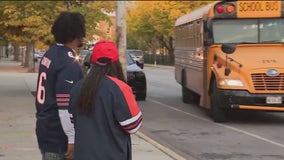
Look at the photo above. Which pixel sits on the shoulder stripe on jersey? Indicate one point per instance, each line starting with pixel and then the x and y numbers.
pixel 129 97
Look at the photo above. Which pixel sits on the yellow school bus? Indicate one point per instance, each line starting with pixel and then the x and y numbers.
pixel 230 55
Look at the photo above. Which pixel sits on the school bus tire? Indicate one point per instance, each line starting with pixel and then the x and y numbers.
pixel 218 114
pixel 186 95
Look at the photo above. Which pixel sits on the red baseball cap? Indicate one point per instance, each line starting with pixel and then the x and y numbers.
pixel 105 49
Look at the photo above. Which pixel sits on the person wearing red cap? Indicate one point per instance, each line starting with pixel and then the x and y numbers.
pixel 104 109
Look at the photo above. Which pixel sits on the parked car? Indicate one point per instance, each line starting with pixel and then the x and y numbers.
pixel 40 53
pixel 136 78
pixel 83 53
pixel 137 55
pixel 36 56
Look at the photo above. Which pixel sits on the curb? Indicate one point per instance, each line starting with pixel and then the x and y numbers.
pixel 164 149
pixel 158 66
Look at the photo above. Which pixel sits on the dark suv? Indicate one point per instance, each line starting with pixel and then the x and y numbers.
pixel 137 55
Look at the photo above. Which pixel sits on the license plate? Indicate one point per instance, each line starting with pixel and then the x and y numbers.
pixel 273 100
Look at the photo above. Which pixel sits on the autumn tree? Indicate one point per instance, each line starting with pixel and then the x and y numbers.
pixel 25 22
pixel 94 12
pixel 152 22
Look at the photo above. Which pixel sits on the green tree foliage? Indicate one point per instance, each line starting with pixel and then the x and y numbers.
pixel 24 21
pixel 27 22
pixel 152 22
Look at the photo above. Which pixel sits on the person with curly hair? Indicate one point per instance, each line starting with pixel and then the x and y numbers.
pixel 58 72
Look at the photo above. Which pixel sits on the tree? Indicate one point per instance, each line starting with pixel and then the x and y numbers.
pixel 152 22
pixel 26 22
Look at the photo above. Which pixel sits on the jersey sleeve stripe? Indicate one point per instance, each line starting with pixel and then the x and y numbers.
pixel 62 99
pixel 131 120
pixel 133 125
pixel 62 104
pixel 62 95
pixel 135 129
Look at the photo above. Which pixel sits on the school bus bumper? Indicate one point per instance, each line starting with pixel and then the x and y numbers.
pixel 240 99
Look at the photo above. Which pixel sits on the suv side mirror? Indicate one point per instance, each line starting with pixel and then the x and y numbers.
pixel 87 64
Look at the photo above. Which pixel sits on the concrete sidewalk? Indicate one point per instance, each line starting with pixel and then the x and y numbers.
pixel 17 121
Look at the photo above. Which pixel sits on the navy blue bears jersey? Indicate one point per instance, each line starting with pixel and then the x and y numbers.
pixel 58 72
pixel 105 133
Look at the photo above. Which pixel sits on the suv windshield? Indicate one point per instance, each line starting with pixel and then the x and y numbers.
pixel 85 52
pixel 248 31
pixel 129 60
pixel 135 52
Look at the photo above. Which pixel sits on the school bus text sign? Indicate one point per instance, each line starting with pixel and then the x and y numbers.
pixel 254 9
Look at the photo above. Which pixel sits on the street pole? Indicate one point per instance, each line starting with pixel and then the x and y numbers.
pixel 121 33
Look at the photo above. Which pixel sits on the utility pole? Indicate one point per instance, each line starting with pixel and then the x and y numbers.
pixel 121 33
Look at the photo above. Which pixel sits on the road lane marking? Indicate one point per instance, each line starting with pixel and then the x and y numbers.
pixel 218 124
pixel 164 149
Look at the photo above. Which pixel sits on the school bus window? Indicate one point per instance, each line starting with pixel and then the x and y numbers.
pixel 271 30
pixel 235 31
pixel 181 31
pixel 195 33
pixel 188 30
pixel 198 32
pixel 189 33
pixel 182 35
pixel 178 33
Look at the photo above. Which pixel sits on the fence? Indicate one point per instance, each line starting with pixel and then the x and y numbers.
pixel 161 59
pixel 3 52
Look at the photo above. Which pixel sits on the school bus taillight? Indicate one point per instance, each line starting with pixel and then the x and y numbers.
pixel 220 9
pixel 230 9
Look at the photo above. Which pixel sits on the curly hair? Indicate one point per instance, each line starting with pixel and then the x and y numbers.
pixel 68 26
